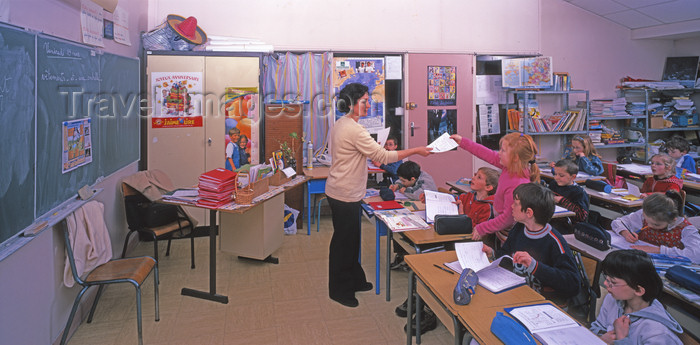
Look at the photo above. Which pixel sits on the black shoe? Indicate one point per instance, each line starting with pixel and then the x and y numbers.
pixel 366 286
pixel 401 266
pixel 348 301
pixel 428 322
pixel 402 310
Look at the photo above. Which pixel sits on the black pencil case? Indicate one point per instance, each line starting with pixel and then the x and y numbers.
pixel 592 235
pixel 453 224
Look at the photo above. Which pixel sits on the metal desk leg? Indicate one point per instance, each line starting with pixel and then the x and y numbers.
pixel 411 280
pixel 458 330
pixel 419 309
pixel 377 265
pixel 389 239
pixel 211 295
pixel 308 207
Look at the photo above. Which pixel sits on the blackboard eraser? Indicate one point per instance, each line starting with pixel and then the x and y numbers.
pixel 85 192
pixel 35 228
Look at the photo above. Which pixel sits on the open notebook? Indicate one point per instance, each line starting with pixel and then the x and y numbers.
pixel 550 325
pixel 491 276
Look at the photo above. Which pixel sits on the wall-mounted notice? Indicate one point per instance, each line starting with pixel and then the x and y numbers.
pixel 77 144
pixel 121 26
pixel 442 85
pixel 92 23
pixel 177 99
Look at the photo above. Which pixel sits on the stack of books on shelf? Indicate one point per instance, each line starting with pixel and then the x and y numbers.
pixel 561 121
pixel 514 120
pixel 609 107
pixel 636 108
pixel 216 188
pixel 619 107
pixel 611 139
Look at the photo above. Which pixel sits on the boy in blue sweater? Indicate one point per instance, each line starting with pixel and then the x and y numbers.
pixel 390 177
pixel 538 250
pixel 678 149
pixel 568 194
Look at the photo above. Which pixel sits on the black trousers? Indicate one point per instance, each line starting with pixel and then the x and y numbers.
pixel 345 275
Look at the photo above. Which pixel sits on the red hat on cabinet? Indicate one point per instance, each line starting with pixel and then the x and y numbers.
pixel 187 28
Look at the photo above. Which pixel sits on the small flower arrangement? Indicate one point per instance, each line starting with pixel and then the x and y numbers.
pixel 289 150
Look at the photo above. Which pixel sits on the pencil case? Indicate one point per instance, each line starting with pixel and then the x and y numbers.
pixel 509 331
pixel 684 277
pixel 599 186
pixel 453 224
pixel 592 235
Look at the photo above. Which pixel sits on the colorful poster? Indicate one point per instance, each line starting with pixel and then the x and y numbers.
pixel 527 72
pixel 369 72
pixel 241 109
pixel 177 99
pixel 441 121
pixel 77 144
pixel 442 85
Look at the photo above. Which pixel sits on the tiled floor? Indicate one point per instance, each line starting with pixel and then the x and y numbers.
pixel 268 304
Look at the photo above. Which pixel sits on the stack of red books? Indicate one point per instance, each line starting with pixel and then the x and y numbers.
pixel 216 188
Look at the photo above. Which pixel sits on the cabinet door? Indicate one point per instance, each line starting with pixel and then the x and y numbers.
pixel 223 72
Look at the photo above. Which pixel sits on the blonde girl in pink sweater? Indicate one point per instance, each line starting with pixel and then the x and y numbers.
pixel 516 159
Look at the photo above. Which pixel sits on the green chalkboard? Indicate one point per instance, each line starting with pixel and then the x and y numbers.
pixel 16 131
pixel 71 82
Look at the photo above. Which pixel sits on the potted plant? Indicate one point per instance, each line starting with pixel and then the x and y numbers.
pixel 289 149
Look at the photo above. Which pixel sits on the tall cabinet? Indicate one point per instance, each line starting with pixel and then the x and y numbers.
pixel 186 152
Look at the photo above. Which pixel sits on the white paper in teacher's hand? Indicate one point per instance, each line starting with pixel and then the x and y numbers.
pixel 443 144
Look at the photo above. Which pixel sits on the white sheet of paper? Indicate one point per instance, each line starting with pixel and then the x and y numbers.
pixel 289 172
pixel 443 144
pixel 470 255
pixel 186 192
pixel 382 135
pixel 559 209
pixel 633 189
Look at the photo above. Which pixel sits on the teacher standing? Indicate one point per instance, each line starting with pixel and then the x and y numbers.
pixel 345 188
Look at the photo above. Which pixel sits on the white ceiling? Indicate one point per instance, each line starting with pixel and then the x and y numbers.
pixel 654 19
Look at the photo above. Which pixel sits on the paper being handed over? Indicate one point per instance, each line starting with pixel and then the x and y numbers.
pixel 443 144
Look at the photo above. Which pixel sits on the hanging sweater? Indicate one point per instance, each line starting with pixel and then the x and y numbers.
pixel 650 326
pixel 690 238
pixel 503 199
pixel 654 184
pixel 574 198
pixel 352 145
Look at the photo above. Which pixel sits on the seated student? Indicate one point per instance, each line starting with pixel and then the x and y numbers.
pixel 478 204
pixel 567 193
pixel 663 168
pixel 412 181
pixel 583 153
pixel 538 250
pixel 390 177
pixel 661 223
pixel 631 312
pixel 678 149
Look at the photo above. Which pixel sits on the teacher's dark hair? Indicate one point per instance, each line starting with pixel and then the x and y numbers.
pixel 349 95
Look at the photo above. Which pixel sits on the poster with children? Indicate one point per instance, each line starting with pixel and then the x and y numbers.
pixel 177 99
pixel 442 85
pixel 241 136
pixel 368 72
pixel 77 144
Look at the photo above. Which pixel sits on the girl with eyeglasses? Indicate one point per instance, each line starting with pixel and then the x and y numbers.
pixel 663 169
pixel 631 312
pixel 584 154
pixel 661 223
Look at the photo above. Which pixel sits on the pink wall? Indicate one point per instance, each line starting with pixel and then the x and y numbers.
pixel 61 18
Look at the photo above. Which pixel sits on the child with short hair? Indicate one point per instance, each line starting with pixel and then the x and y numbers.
pixel 567 193
pixel 678 149
pixel 478 204
pixel 516 159
pixel 412 181
pixel 584 155
pixel 538 250
pixel 390 177
pixel 662 167
pixel 661 223
pixel 631 312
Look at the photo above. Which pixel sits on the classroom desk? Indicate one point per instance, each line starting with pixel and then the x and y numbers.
pixel 212 295
pixel 459 185
pixel 547 174
pixel 417 240
pixel 436 286
pixel 610 199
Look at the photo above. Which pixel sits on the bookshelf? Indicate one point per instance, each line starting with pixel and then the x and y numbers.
pixel 536 112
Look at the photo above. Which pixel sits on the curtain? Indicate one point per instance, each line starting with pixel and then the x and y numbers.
pixel 303 77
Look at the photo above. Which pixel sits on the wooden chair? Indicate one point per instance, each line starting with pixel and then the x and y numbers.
pixel 133 202
pixel 131 270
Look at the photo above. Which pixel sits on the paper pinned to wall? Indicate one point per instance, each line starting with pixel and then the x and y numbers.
pixel 489 119
pixel 91 23
pixel 489 90
pixel 121 26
